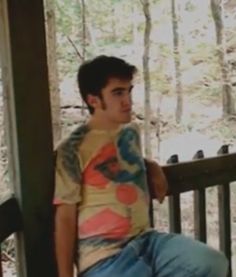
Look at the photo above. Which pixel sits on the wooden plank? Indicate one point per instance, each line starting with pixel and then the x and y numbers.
pixel 199 174
pixel 10 218
pixel 174 205
pixel 30 128
pixel 200 230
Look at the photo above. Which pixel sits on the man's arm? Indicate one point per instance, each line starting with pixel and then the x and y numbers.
pixel 156 179
pixel 65 238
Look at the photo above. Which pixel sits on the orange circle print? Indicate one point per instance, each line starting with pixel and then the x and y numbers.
pixel 126 194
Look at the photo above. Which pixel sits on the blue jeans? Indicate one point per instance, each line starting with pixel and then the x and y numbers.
pixel 156 254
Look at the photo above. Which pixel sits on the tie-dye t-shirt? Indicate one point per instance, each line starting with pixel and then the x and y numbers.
pixel 104 173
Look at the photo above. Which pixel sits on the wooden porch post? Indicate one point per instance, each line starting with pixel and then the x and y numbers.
pixel 25 74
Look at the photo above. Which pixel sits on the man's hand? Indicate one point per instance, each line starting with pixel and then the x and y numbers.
pixel 156 179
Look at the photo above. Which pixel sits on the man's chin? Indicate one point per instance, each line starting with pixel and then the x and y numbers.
pixel 126 120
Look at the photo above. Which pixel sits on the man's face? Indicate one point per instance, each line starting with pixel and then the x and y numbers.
pixel 116 101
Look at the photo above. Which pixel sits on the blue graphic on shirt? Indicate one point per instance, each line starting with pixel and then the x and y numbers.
pixel 127 145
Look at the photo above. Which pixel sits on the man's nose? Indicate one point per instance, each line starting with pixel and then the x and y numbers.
pixel 127 100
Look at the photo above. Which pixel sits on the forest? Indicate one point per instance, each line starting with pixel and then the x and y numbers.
pixel 185 52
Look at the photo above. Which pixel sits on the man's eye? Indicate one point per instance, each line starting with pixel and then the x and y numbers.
pixel 118 93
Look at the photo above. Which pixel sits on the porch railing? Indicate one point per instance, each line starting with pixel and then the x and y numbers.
pixel 197 175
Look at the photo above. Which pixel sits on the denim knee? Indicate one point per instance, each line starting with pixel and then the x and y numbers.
pixel 216 263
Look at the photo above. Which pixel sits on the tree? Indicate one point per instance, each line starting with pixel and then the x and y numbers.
pixel 178 83
pixel 135 35
pixel 84 39
pixel 84 42
pixel 146 75
pixel 53 70
pixel 217 10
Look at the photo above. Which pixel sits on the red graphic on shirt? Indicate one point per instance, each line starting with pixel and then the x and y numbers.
pixel 107 224
pixel 126 194
pixel 102 168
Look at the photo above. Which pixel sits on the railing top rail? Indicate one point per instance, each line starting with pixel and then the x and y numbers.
pixel 195 174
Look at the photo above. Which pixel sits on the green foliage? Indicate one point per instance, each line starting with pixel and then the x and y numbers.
pixel 203 52
pixel 68 20
pixel 106 27
pixel 190 7
pixel 160 83
pixel 165 50
pixel 66 12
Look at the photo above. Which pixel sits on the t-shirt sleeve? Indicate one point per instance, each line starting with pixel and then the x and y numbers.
pixel 67 187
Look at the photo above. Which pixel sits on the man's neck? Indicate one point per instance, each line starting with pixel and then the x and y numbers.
pixel 102 124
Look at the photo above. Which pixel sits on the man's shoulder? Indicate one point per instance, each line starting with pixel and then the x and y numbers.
pixel 74 139
pixel 67 152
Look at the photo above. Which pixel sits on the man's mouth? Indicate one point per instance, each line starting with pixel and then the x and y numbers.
pixel 127 111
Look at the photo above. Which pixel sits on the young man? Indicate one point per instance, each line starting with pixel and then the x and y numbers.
pixel 102 195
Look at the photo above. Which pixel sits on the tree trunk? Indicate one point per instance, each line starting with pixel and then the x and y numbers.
pixel 89 33
pixel 227 99
pixel 84 39
pixel 146 74
pixel 135 48
pixel 113 23
pixel 53 70
pixel 84 43
pixel 178 83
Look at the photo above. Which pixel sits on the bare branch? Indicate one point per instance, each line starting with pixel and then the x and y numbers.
pixel 74 46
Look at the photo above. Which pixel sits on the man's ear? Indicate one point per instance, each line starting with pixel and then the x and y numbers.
pixel 93 101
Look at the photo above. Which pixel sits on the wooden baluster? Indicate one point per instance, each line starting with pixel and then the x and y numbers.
pixel 151 208
pixel 1 272
pixel 174 205
pixel 224 215
pixel 151 212
pixel 200 208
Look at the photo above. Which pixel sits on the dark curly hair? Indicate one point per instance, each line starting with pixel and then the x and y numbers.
pixel 93 75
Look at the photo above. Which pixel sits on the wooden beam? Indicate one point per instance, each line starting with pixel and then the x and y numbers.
pixel 26 83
